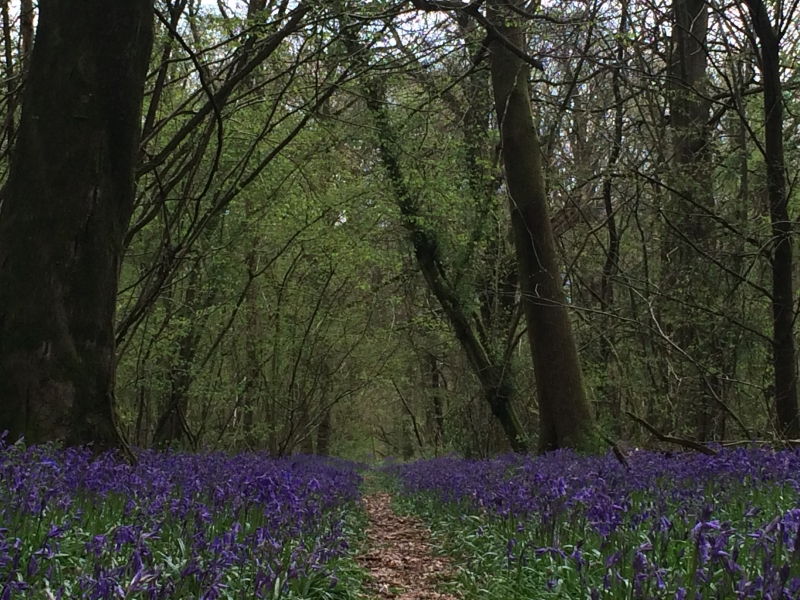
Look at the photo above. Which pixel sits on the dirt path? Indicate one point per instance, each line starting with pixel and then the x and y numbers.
pixel 399 555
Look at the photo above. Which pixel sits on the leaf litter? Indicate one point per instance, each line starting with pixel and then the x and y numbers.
pixel 399 557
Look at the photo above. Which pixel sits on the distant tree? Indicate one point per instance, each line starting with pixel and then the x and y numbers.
pixel 65 210
pixel 689 229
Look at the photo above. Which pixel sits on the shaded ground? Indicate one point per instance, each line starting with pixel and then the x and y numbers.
pixel 399 556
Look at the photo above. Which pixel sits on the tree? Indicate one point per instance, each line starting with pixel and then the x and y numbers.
pixel 783 315
pixel 490 368
pixel 689 236
pixel 65 211
pixel 566 418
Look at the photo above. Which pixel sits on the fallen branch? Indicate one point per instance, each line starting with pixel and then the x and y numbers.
pixel 778 442
pixel 671 439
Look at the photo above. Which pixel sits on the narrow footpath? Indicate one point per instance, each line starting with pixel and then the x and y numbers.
pixel 399 557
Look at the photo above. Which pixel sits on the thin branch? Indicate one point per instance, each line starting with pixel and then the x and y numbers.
pixel 410 413
pixel 672 439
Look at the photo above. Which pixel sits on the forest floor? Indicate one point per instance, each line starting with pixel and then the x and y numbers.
pixel 399 555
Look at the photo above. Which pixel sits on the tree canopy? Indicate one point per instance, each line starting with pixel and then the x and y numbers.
pixel 398 228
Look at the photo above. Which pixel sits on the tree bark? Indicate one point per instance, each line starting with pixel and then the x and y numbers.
pixel 783 356
pixel 26 29
pixel 565 414
pixel 65 209
pixel 609 391
pixel 9 70
pixel 252 336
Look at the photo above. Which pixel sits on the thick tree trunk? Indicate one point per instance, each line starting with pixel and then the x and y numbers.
pixel 782 285
pixel 65 208
pixel 565 414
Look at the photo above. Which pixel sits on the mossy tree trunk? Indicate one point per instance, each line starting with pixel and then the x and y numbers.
pixel 65 209
pixel 497 386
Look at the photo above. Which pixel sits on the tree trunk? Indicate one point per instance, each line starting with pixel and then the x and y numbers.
pixel 324 434
pixel 65 208
pixel 609 391
pixel 565 414
pixel 26 17
pixel 686 273
pixel 495 380
pixel 437 408
pixel 8 71
pixel 251 337
pixel 172 426
pixel 782 284
pixel 307 445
